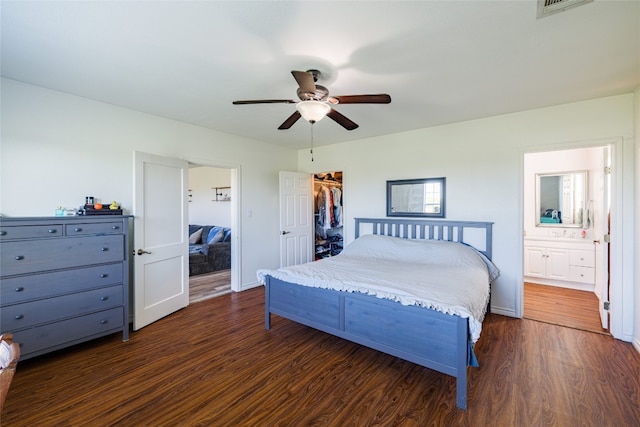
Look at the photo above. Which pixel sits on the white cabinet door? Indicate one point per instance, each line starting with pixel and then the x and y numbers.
pixel 557 264
pixel 534 261
pixel 546 263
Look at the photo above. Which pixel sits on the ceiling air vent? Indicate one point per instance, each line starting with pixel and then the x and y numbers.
pixel 549 7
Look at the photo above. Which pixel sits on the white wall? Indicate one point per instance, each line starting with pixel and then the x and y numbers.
pixel 57 149
pixel 483 163
pixel 636 331
pixel 203 207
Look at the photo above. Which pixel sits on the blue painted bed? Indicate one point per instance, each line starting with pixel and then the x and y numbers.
pixel 423 336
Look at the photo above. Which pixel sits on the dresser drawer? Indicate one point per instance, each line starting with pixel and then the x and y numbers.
pixel 20 316
pixel 30 232
pixel 61 334
pixel 89 228
pixel 582 258
pixel 33 256
pixel 582 274
pixel 45 285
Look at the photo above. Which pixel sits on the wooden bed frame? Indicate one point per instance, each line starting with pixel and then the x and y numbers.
pixel 423 336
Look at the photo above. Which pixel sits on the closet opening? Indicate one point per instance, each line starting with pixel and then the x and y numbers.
pixel 328 215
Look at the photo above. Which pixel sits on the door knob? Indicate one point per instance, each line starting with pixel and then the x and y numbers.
pixel 140 252
pixel 285 232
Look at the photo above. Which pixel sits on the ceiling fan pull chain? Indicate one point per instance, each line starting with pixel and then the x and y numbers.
pixel 311 142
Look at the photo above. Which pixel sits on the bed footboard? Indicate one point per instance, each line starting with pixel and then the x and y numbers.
pixel 426 337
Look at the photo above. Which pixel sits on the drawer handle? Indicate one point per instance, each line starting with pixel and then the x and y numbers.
pixel 19 289
pixel 19 257
pixel 114 227
pixel 104 321
pixel 19 316
pixel 77 229
pixel 104 298
pixel 3 233
pixel 52 230
pixel 104 249
pixel 104 275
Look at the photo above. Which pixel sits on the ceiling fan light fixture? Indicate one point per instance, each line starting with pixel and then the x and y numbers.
pixel 313 111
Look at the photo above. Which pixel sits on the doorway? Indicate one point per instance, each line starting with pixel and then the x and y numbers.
pixel 311 216
pixel 328 215
pixel 210 216
pixel 566 268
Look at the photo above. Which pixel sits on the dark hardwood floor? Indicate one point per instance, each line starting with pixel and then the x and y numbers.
pixel 561 306
pixel 214 364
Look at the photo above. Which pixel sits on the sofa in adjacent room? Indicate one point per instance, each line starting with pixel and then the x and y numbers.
pixel 209 249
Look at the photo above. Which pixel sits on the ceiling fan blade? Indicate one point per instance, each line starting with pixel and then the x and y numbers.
pixel 265 101
pixel 290 121
pixel 341 120
pixel 381 98
pixel 305 81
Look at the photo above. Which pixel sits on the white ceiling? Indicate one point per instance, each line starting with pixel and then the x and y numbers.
pixel 441 61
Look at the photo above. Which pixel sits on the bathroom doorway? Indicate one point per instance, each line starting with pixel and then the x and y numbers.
pixel 566 265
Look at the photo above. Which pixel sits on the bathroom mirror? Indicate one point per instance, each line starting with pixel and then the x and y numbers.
pixel 561 199
pixel 416 197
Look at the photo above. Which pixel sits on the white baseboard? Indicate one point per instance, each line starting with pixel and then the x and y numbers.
pixel 246 286
pixel 589 287
pixel 503 311
pixel 636 344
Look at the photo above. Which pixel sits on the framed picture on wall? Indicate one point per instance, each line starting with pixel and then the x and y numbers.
pixel 424 197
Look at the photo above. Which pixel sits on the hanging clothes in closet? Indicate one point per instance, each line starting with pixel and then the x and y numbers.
pixel 328 213
pixel 329 206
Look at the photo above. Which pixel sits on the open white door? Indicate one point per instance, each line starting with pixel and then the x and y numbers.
pixel 296 218
pixel 601 240
pixel 161 284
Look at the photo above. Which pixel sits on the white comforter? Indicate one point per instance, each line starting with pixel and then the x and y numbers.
pixel 449 277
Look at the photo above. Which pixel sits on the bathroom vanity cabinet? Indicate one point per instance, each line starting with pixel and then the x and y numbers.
pixel 560 263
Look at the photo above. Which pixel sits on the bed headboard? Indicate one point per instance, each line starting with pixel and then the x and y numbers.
pixel 474 233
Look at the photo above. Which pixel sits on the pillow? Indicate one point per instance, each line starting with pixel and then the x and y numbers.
pixel 227 235
pixel 215 235
pixel 195 236
pixel 435 252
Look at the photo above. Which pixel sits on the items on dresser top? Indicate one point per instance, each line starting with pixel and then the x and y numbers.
pixel 63 280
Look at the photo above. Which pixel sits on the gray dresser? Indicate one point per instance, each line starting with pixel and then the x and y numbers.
pixel 63 280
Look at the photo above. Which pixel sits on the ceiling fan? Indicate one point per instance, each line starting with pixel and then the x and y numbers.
pixel 315 102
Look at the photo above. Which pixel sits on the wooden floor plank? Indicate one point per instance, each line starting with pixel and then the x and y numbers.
pixel 211 285
pixel 213 363
pixel 562 306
